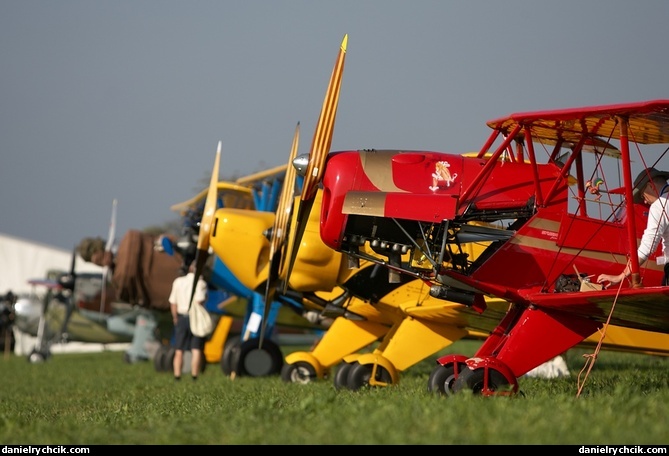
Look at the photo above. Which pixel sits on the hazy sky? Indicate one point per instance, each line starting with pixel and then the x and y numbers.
pixel 127 99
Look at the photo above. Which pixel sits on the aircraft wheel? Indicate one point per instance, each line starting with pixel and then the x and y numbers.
pixel 341 375
pixel 258 362
pixel 36 357
pixel 474 380
pixel 361 374
pixel 168 359
pixel 229 352
pixel 300 372
pixel 442 379
pixel 158 358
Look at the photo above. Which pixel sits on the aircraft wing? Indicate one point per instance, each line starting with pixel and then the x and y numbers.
pixel 638 308
pixel 48 283
pixel 269 174
pixel 83 329
pixel 648 122
pixel 444 312
pixel 235 194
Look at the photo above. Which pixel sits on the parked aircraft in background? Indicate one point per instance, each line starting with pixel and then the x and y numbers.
pixel 59 311
pixel 257 193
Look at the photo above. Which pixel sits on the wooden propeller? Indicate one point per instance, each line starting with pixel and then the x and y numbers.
pixel 278 240
pixel 202 252
pixel 320 147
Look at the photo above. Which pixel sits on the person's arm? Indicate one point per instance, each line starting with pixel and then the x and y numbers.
pixel 172 299
pixel 657 223
pixel 610 279
pixel 173 309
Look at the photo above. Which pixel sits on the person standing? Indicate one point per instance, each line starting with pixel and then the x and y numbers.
pixel 651 187
pixel 179 300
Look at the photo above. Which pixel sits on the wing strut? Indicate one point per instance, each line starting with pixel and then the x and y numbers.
pixel 108 254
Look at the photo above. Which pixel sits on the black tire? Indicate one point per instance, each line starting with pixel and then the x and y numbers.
pixel 158 363
pixel 341 375
pixel 473 380
pixel 252 361
pixel 300 372
pixel 168 359
pixel 360 374
pixel 229 352
pixel 37 356
pixel 442 379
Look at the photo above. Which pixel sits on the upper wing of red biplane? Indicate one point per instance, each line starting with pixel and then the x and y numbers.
pixel 643 123
pixel 644 305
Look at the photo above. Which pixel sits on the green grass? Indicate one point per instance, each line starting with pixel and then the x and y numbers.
pixel 89 399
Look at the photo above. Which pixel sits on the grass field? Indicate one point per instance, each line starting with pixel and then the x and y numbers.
pixel 96 398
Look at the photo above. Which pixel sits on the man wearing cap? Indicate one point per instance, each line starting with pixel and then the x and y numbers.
pixel 141 275
pixel 650 187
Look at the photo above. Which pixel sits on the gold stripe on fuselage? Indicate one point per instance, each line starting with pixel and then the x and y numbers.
pixel 377 166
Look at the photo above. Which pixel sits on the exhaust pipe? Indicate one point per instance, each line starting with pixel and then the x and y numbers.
pixel 451 294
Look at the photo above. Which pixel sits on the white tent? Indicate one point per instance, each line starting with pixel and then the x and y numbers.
pixel 22 260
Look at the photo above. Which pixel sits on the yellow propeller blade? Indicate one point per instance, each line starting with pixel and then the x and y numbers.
pixel 202 253
pixel 280 233
pixel 320 148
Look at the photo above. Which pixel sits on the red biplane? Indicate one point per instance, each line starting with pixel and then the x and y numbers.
pixel 556 193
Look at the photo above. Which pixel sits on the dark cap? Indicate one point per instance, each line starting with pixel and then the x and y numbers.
pixel 642 180
pixel 89 246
